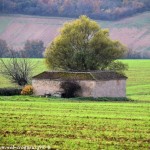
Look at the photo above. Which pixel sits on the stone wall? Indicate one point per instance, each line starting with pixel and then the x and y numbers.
pixel 111 88
pixel 42 87
pixel 87 88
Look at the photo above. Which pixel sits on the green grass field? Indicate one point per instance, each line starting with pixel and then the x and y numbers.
pixel 138 83
pixel 74 124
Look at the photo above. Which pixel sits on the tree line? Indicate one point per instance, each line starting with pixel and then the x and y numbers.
pixel 96 9
pixel 35 49
pixel 31 49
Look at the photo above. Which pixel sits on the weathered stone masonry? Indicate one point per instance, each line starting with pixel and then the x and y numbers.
pixel 104 84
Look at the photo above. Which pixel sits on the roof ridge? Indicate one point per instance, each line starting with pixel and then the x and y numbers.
pixel 80 75
pixel 92 76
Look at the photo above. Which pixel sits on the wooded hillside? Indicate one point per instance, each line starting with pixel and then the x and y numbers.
pixel 96 9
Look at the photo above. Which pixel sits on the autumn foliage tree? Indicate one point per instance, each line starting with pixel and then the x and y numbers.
pixel 83 45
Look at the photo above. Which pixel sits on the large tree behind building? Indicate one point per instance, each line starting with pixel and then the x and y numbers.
pixel 83 45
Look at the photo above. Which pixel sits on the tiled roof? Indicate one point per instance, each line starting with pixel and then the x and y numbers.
pixel 93 75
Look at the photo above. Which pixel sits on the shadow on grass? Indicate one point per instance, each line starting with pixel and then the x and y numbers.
pixel 103 99
pixel 57 99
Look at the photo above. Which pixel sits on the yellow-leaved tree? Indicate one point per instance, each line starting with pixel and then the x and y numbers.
pixel 84 46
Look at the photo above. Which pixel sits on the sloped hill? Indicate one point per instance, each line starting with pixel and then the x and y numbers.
pixel 17 29
pixel 133 32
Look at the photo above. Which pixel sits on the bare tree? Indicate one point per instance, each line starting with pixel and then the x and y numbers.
pixel 18 70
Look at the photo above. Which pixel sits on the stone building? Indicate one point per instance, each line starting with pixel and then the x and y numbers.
pixel 93 84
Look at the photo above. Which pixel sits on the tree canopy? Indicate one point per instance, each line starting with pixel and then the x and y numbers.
pixel 83 45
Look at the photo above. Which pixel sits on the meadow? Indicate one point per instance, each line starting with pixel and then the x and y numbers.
pixel 73 124
pixel 78 124
pixel 138 83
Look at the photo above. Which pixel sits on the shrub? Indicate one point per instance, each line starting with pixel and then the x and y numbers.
pixel 9 91
pixel 27 90
pixel 70 88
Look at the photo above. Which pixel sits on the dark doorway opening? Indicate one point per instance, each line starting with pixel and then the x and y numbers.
pixel 70 89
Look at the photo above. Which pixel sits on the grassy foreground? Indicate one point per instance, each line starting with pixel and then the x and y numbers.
pixel 72 124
